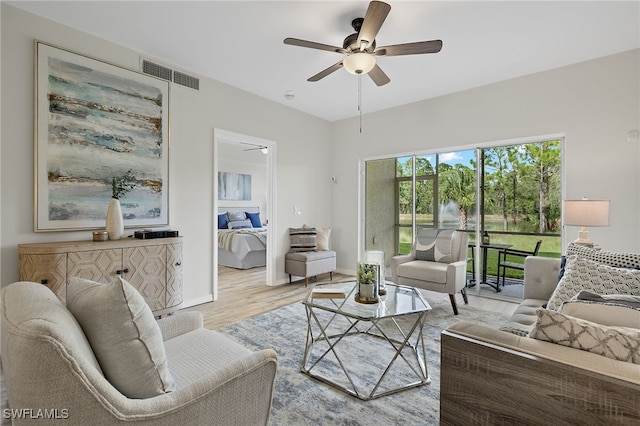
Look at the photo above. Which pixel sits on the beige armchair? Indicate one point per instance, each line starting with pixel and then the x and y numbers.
pixel 449 277
pixel 50 370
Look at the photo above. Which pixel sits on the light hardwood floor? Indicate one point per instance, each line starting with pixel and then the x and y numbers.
pixel 244 294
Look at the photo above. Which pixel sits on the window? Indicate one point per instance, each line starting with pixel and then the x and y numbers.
pixel 519 189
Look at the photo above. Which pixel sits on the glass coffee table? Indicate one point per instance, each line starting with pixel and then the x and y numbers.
pixel 366 350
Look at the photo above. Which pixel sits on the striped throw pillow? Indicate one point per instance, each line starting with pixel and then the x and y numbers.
pixel 302 239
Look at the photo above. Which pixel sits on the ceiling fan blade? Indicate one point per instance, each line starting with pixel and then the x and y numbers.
pixel 313 45
pixel 416 48
pixel 376 14
pixel 378 76
pixel 322 74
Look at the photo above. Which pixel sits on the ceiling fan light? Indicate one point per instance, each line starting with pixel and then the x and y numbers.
pixel 359 63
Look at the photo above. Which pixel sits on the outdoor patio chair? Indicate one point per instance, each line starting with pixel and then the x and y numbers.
pixel 504 263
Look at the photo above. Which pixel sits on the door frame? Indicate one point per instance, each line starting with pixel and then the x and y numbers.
pixel 226 136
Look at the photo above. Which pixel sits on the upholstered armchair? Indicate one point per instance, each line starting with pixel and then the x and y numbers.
pixel 51 371
pixel 437 262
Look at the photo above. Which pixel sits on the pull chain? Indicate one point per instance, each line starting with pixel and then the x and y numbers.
pixel 360 99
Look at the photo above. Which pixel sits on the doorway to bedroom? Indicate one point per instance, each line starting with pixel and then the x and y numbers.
pixel 243 182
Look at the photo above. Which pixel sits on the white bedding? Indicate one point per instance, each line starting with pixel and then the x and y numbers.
pixel 242 241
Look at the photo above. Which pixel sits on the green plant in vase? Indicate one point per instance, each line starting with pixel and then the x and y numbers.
pixel 119 187
pixel 367 283
pixel 123 184
pixel 367 273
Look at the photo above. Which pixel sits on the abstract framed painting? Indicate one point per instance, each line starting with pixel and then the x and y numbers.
pixel 96 122
pixel 234 186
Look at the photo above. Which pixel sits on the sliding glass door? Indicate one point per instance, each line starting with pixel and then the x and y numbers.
pixel 513 193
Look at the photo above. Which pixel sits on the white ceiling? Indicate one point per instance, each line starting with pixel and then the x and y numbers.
pixel 240 43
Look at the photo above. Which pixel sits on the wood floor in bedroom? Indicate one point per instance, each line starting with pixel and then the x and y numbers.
pixel 244 294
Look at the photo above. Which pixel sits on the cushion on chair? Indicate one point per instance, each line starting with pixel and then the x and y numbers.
pixel 310 256
pixel 424 271
pixel 302 239
pixel 123 334
pixel 434 245
pixel 322 237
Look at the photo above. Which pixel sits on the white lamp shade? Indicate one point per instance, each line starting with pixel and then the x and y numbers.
pixel 359 63
pixel 586 212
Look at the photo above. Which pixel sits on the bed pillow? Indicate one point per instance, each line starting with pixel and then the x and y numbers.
pixel 255 219
pixel 302 239
pixel 619 343
pixel 223 220
pixel 123 334
pixel 583 274
pixel 240 224
pixel 322 237
pixel 236 216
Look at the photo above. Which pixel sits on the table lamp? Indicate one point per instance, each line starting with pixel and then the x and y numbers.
pixel 585 213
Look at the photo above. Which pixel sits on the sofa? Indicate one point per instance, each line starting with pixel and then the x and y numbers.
pixel 54 369
pixel 503 375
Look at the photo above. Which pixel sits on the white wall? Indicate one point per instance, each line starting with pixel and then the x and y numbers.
pixel 594 104
pixel 303 144
pixel 257 168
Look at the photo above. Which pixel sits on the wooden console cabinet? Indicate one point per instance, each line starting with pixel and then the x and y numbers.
pixel 154 266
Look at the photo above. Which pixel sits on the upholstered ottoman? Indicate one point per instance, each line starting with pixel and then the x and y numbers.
pixel 310 263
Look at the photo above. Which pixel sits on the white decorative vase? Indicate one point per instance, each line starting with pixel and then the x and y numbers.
pixel 115 223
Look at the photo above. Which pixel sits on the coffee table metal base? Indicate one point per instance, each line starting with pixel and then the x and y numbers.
pixel 409 349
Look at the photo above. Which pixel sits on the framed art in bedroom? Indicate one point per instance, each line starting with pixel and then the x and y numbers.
pixel 96 122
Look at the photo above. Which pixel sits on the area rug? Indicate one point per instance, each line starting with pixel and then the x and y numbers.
pixel 302 400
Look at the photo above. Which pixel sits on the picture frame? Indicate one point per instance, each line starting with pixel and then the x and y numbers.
pixel 95 122
pixel 234 186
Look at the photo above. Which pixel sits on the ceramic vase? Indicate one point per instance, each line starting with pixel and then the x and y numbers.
pixel 115 222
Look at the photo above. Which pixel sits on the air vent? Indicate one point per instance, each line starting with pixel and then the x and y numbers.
pixel 186 80
pixel 156 70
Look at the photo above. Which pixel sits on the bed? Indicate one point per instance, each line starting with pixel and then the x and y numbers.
pixel 244 246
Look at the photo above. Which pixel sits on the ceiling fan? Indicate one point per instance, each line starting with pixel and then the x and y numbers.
pixel 263 149
pixel 360 49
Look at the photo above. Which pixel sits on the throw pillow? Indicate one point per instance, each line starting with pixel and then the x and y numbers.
pixel 602 313
pixel 223 220
pixel 617 299
pixel 618 343
pixel 611 258
pixel 255 219
pixel 322 237
pixel 434 245
pixel 123 334
pixel 583 274
pixel 240 224
pixel 302 239
pixel 237 215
